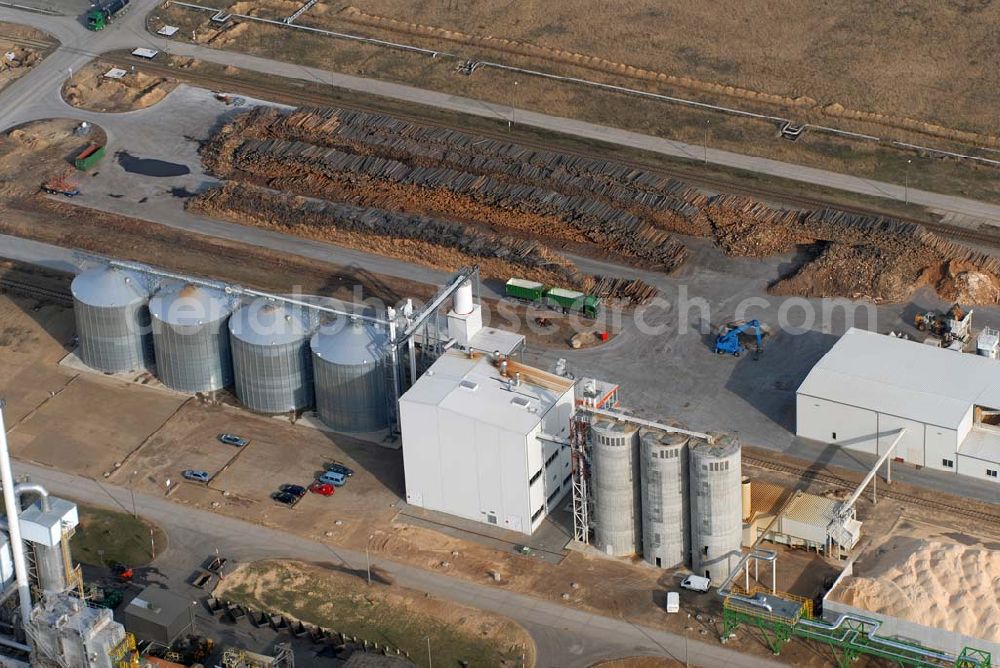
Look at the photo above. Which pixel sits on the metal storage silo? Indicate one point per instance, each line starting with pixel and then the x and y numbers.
pixel 666 533
pixel 617 496
pixel 351 373
pixel 190 338
pixel 271 360
pixel 716 506
pixel 111 307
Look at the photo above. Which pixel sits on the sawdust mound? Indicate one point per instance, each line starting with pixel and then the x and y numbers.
pixel 943 585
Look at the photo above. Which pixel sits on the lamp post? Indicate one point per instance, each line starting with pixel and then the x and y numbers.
pixel 513 93
pixel 906 182
pixel 131 489
pixel 430 664
pixel 708 124
pixel 368 559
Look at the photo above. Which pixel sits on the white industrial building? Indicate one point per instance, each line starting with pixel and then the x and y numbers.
pixel 486 439
pixel 869 386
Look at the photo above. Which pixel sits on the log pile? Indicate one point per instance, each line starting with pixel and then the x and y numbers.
pixel 582 204
pixel 374 181
pixel 386 232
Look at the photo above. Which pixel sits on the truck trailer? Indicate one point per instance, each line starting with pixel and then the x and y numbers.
pixel 104 13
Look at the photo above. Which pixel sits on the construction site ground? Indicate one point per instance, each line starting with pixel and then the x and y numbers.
pixel 880 118
pixel 159 443
pixel 340 599
pixel 16 59
pixel 91 88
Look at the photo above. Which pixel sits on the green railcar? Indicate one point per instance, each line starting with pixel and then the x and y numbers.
pixel 89 157
pixel 573 300
pixel 529 291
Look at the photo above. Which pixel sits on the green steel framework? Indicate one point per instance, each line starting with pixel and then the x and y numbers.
pixel 847 642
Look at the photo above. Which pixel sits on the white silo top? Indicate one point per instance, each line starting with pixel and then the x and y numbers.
pixel 190 304
pixel 107 287
pixel 352 344
pixel 264 322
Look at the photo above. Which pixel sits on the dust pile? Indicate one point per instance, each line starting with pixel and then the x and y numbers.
pixel 943 585
pixel 90 89
pixel 561 203
pixel 15 62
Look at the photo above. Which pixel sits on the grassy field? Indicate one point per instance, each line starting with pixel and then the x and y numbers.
pixel 747 136
pixel 105 536
pixel 382 613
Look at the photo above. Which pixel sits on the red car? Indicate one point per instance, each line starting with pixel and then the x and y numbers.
pixel 323 488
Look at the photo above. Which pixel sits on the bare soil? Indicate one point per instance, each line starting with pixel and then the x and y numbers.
pixel 342 600
pixel 90 89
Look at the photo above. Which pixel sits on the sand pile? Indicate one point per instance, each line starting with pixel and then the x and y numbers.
pixel 944 585
pixel 90 89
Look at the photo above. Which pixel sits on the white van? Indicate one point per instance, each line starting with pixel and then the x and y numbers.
pixel 673 602
pixel 696 583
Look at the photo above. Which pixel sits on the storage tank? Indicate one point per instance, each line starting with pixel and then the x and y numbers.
pixel 111 307
pixel 617 495
pixel 272 364
pixel 190 337
pixel 666 534
pixel 351 373
pixel 716 506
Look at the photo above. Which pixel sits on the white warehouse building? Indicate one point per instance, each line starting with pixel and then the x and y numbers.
pixel 487 440
pixel 869 386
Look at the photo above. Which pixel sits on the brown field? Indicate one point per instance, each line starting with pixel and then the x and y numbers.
pixel 90 89
pixel 924 60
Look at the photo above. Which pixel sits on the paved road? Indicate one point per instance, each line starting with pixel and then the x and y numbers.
pixel 565 637
pixel 17 104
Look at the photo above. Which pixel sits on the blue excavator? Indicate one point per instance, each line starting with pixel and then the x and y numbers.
pixel 728 341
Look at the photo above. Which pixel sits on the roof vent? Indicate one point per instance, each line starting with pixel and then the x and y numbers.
pixel 519 401
pixel 468 385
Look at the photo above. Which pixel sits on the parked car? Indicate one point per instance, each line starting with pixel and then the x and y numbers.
pixel 673 602
pixel 334 478
pixel 340 468
pixel 295 490
pixel 696 583
pixel 322 488
pixel 197 476
pixel 285 498
pixel 233 439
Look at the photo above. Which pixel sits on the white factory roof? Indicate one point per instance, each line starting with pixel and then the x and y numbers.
pixel 903 378
pixel 982 443
pixel 473 387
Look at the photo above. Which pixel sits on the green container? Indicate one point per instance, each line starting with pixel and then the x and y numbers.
pixel 573 300
pixel 520 288
pixel 89 157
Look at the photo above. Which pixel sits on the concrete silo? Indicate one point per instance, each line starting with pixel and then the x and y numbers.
pixel 272 364
pixel 614 456
pixel 111 307
pixel 190 338
pixel 716 506
pixel 351 371
pixel 666 533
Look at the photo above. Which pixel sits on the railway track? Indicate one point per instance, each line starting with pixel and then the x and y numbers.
pixel 301 96
pixel 837 481
pixel 11 286
pixel 41 45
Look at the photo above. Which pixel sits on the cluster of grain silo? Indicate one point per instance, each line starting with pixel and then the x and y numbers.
pixel 617 504
pixel 111 307
pixel 671 495
pixel 352 372
pixel 203 339
pixel 716 506
pixel 666 533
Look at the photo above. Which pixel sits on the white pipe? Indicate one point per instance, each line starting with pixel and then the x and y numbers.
pixel 22 488
pixel 14 523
